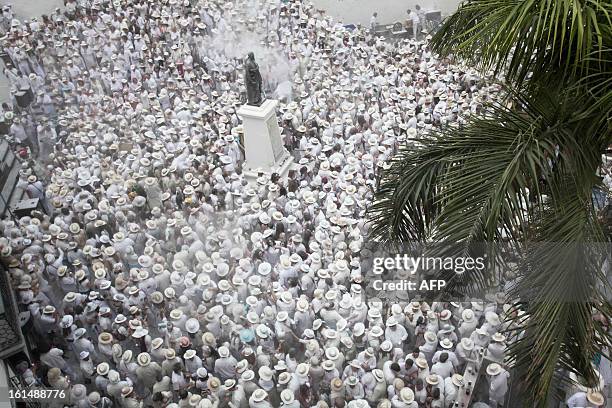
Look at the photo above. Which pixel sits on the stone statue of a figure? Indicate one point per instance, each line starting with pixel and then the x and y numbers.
pixel 253 81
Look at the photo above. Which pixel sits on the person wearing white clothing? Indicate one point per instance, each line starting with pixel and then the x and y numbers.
pixel 373 22
pixel 54 358
pixel 416 21
pixel 225 366
pixel 444 368
pixel 451 389
pixel 578 400
pixel 589 399
pixel 395 333
pixel 498 384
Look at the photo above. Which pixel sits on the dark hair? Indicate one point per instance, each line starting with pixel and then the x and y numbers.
pixel 395 367
pixel 409 362
pixel 44 346
pixel 443 357
pixel 183 394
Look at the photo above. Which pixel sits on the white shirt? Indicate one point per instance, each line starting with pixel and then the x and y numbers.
pixel 53 358
pixel 397 336
pixel 443 369
pixel 414 17
pixel 226 367
pixel 578 400
pixel 178 381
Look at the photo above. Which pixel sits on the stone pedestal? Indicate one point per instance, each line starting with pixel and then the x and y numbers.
pixel 263 147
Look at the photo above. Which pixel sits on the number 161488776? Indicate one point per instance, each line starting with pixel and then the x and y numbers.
pixel 36 394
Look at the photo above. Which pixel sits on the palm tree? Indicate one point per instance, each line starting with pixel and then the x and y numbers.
pixel 522 173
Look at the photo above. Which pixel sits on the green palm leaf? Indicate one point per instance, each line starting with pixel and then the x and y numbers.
pixel 521 37
pixel 523 173
pixel 561 288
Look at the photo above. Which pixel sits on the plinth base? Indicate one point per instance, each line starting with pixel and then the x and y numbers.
pixel 282 169
pixel 263 146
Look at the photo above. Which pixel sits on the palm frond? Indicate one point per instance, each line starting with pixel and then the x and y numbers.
pixel 525 39
pixel 475 183
pixel 561 288
pixel 597 83
pixel 522 173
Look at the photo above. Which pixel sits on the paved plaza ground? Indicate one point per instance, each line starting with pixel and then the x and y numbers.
pixel 389 11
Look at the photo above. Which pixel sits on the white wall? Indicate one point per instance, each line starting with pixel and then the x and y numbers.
pixel 389 11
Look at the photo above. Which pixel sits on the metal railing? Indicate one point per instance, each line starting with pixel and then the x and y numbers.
pixel 17 385
pixel 10 315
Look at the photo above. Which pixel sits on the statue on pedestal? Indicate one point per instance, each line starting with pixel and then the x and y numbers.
pixel 252 79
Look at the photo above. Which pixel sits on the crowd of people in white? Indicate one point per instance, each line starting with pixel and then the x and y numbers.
pixel 157 276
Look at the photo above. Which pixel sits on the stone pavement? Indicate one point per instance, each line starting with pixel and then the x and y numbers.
pixel 33 8
pixel 389 11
